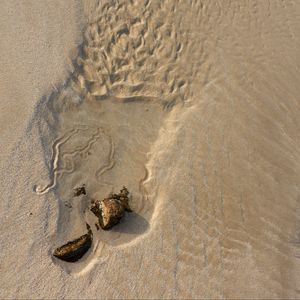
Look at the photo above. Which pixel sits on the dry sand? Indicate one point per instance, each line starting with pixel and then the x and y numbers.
pixel 193 105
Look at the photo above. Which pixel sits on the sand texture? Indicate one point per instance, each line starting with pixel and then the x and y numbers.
pixel 193 106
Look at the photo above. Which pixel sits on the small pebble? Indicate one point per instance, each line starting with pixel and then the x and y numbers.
pixel 74 250
pixel 111 210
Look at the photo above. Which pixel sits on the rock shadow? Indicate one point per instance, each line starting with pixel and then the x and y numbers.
pixel 132 223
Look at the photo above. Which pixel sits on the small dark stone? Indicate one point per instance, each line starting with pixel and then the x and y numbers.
pixel 31 214
pixel 74 250
pixel 79 191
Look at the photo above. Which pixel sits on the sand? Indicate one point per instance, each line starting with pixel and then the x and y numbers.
pixel 193 106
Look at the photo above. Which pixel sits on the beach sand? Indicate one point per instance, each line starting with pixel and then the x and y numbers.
pixel 193 106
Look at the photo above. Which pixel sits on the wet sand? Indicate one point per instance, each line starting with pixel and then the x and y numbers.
pixel 193 106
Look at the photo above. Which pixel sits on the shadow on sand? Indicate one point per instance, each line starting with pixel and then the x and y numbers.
pixel 132 223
